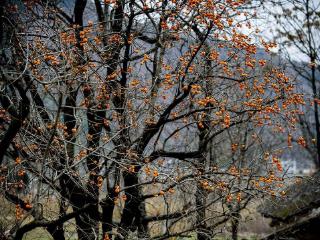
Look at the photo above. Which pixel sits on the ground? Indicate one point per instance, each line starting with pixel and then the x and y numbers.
pixel 252 226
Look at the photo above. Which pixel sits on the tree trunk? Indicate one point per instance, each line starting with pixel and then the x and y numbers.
pixel 87 223
pixel 57 232
pixel 107 215
pixel 235 225
pixel 131 219
pixel 202 231
pixel 316 111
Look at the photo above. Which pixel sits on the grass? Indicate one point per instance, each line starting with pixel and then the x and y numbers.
pixel 251 227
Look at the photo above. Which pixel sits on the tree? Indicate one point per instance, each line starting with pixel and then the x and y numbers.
pixel 297 28
pixel 120 102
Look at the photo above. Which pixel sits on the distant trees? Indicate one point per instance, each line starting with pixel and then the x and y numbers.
pixel 110 104
pixel 297 29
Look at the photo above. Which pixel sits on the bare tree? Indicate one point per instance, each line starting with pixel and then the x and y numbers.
pixel 297 30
